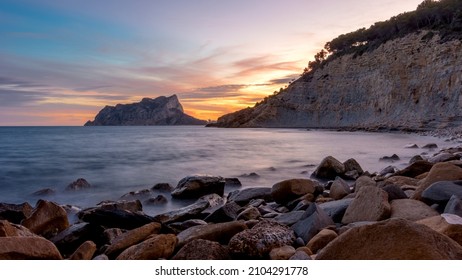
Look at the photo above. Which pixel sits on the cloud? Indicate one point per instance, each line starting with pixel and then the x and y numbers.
pixel 15 98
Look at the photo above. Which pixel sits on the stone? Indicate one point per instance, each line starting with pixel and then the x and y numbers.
pixel 157 200
pixel 339 189
pixel 258 241
pixel 351 165
pixel 28 248
pixel 282 253
pixel 101 257
pixel 198 185
pixel 300 256
pixel 321 240
pixel 200 249
pixel 411 146
pixel 180 226
pixel 243 197
pixel 225 213
pixel 117 218
pixel 394 192
pixel 136 194
pixel 130 238
pixel 299 242
pixel 329 168
pixel 389 170
pixel 454 206
pixel 443 157
pixel 111 234
pixel 304 249
pixel 71 238
pixel 336 209
pixel 347 227
pixel 159 246
pixel 430 146
pixel 8 229
pixel 221 232
pixel 84 252
pixel 288 190
pixel 250 213
pixel 442 171
pixel 163 187
pixel 251 175
pixel 128 205
pixel 363 181
pixel 411 209
pixel 446 224
pixel 410 241
pixel 185 213
pixel 392 158
pixel 15 213
pixel 312 222
pixel 441 192
pixel 47 219
pixel 416 158
pixel 79 184
pixel 44 192
pixel 401 181
pixel 370 204
pixel 213 199
pixel 289 218
pixel 232 183
pixel 415 169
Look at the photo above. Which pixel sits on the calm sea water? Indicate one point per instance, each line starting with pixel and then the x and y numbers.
pixel 117 160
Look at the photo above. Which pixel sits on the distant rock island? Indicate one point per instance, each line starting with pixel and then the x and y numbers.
pixel 159 111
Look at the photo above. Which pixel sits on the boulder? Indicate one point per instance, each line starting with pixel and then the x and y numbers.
pixel 289 218
pixel 336 209
pixel 364 181
pixel 221 233
pixel 180 226
pixel 213 199
pixel 329 168
pixel 401 181
pixel 443 157
pixel 101 257
pixel 71 238
pixel 128 205
pixel 250 213
pixel 394 192
pixel 199 185
pixel 442 171
pixel 258 241
pixel 430 146
pixel 454 206
pixel 79 184
pixel 415 169
pixel 8 229
pixel 201 249
pixel 84 252
pixel 117 218
pixel 111 234
pixel 44 192
pixel 185 213
pixel 321 240
pixel 159 246
pixel 130 238
pixel 351 165
pixel 313 221
pixel 243 197
pixel 15 213
pixel 441 192
pixel 27 248
pixel 447 224
pixel 339 189
pixel 388 171
pixel 282 253
pixel 370 204
pixel 392 158
pixel 163 187
pixel 232 183
pixel 411 209
pixel 300 256
pixel 157 200
pixel 136 194
pixel 416 158
pixel 394 239
pixel 47 219
pixel 225 213
pixel 411 146
pixel 288 190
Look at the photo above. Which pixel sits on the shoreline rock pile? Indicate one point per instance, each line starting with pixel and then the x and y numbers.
pixel 341 212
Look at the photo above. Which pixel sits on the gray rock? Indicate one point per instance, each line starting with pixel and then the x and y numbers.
pixel 225 213
pixel 71 238
pixel 221 232
pixel 136 194
pixel 290 218
pixel 232 183
pixel 430 146
pixel 192 211
pixel 443 157
pixel 392 158
pixel 15 213
pixel 158 200
pixel 128 205
pixel 454 206
pixel 180 226
pixel 416 158
pixel 339 189
pixel 243 197
pixel 415 169
pixel 394 192
pixel 336 209
pixel 79 184
pixel 44 192
pixel 300 256
pixel 411 146
pixel 250 213
pixel 162 187
pixel 288 190
pixel 351 165
pixel 441 192
pixel 199 185
pixel 388 170
pixel 313 221
pixel 329 168
pixel 411 209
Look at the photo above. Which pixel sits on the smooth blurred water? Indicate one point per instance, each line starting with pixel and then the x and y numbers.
pixel 117 160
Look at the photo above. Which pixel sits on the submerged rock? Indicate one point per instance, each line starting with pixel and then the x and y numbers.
pixel 79 184
pixel 199 185
pixel 329 168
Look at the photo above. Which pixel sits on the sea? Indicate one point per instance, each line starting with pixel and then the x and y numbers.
pixel 118 160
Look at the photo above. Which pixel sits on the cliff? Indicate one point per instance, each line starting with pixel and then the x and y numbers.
pixel 409 83
pixel 159 111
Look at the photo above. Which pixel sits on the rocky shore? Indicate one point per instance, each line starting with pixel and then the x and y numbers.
pixel 340 212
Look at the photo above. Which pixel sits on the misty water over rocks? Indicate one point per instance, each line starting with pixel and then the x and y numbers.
pixel 117 160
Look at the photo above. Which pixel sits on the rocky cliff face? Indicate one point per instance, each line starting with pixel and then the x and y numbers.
pixel 159 111
pixel 408 84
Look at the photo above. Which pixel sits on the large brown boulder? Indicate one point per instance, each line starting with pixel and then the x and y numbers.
pixel 221 233
pixel 84 252
pixel 447 224
pixel 370 204
pixel 28 248
pixel 442 171
pixel 321 239
pixel 411 209
pixel 339 189
pixel 394 239
pixel 8 229
pixel 157 247
pixel 47 219
pixel 199 185
pixel 15 213
pixel 329 168
pixel 201 249
pixel 288 190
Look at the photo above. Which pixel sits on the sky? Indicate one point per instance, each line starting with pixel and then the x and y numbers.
pixel 62 61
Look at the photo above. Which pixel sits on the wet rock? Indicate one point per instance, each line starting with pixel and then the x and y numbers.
pixel 15 213
pixel 389 170
pixel 84 252
pixel 411 209
pixel 312 222
pixel 199 185
pixel 8 229
pixel 115 218
pixel 392 158
pixel 370 204
pixel 136 194
pixel 258 241
pixel 251 175
pixel 394 192
pixel 353 167
pixel 71 238
pixel 44 192
pixel 101 257
pixel 28 248
pixel 47 219
pixel 128 205
pixel 321 240
pixel 289 218
pixel 163 187
pixel 401 181
pixel 300 256
pixel 225 213
pixel 250 213
pixel 363 181
pixel 159 246
pixel 336 209
pixel 232 183
pixel 446 224
pixel 130 238
pixel 185 213
pixel 288 190
pixel 79 184
pixel 441 192
pixel 339 189
pixel 282 253
pixel 411 241
pixel 416 158
pixel 443 157
pixel 430 146
pixel 347 227
pixel 415 169
pixel 158 200
pixel 111 234
pixel 221 232
pixel 243 197
pixel 299 242
pixel 454 206
pixel 213 199
pixel 201 249
pixel 411 146
pixel 329 168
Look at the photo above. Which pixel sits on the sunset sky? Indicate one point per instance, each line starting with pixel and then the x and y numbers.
pixel 62 61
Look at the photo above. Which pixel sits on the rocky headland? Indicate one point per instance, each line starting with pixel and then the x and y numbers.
pixel 159 111
pixel 339 212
